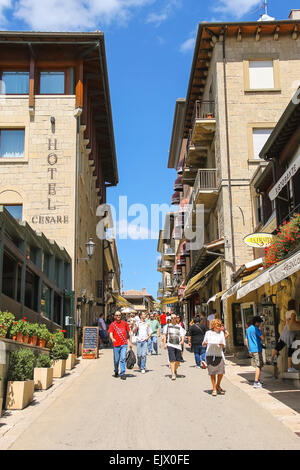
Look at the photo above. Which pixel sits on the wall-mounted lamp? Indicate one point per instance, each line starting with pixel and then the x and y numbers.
pixel 90 250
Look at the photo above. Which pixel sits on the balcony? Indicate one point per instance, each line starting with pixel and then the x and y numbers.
pixel 159 265
pixel 167 265
pixel 205 188
pixel 160 287
pixel 169 284
pixel 160 295
pixel 169 254
pixel 181 261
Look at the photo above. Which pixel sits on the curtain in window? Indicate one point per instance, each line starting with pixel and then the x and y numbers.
pixel 52 83
pixel 15 83
pixel 12 143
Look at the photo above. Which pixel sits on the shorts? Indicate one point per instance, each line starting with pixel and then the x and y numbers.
pixel 281 344
pixel 174 354
pixel 258 359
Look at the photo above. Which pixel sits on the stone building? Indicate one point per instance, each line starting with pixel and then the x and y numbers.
pixel 243 76
pixel 57 151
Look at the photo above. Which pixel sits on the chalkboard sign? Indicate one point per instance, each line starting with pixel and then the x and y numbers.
pixel 90 342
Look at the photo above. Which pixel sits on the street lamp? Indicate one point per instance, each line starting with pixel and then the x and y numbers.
pixel 111 275
pixel 90 250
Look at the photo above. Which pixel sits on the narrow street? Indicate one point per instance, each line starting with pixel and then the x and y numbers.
pixel 150 411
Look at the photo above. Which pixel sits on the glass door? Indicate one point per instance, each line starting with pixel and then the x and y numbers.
pixel 248 312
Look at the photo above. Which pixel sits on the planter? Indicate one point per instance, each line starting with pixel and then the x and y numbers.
pixel 41 343
pixel 59 368
pixel 33 340
pixel 25 339
pixel 70 363
pixel 19 394
pixel 43 377
pixel 14 338
pixel 20 337
pixel 89 356
pixel 1 403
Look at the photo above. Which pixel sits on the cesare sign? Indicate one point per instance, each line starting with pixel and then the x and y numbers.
pixel 259 240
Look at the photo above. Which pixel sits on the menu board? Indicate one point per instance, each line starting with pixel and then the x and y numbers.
pixel 90 342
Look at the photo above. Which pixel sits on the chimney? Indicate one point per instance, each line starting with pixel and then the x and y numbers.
pixel 294 15
pixel 144 292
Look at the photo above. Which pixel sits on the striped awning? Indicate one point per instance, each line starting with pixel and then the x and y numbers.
pixel 196 282
pixel 121 301
pixel 170 300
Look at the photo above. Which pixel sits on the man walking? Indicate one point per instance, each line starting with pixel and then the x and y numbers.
pixel 254 335
pixel 153 323
pixel 196 337
pixel 102 329
pixel 173 341
pixel 143 333
pixel 118 334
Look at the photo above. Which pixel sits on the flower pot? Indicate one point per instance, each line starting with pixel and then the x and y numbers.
pixel 33 340
pixel 43 377
pixel 59 368
pixel 89 356
pixel 41 343
pixel 70 362
pixel 19 394
pixel 14 338
pixel 20 337
pixel 209 115
pixel 25 339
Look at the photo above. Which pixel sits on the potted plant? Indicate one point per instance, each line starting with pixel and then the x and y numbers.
pixel 6 321
pixel 32 332
pixel 17 329
pixel 25 330
pixel 43 335
pixel 20 385
pixel 43 372
pixel 69 342
pixel 59 355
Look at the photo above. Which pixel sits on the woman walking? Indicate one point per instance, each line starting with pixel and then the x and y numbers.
pixel 195 339
pixel 214 341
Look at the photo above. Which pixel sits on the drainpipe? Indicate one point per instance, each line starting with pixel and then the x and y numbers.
pixel 228 155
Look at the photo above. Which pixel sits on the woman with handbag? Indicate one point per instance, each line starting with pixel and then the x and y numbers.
pixel 215 342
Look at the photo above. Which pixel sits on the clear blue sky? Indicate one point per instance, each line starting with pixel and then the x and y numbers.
pixel 149 47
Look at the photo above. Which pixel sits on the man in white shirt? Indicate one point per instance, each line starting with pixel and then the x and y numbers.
pixel 143 332
pixel 173 338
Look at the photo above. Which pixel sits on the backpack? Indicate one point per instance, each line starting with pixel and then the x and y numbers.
pixel 130 359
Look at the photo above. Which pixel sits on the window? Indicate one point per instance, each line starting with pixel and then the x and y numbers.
pixel 52 83
pixel 261 74
pixel 15 210
pixel 15 83
pixel 12 143
pixel 260 137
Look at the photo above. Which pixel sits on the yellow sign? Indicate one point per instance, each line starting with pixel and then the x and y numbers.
pixel 259 240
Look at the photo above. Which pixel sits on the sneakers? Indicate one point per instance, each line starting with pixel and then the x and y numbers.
pixel 123 377
pixel 257 385
pixel 143 371
pixel 204 365
pixel 116 374
pixel 292 369
pixel 198 367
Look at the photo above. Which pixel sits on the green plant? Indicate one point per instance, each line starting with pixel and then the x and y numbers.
pixel 69 342
pixel 43 332
pixel 6 319
pixel 18 327
pixel 33 329
pixel 58 337
pixel 43 361
pixel 59 351
pixel 21 365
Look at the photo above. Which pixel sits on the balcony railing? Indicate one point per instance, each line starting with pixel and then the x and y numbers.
pixel 204 109
pixel 205 179
pixel 169 252
pixel 167 265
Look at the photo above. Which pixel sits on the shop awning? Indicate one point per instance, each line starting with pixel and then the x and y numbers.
pixel 259 278
pixel 195 283
pixel 170 300
pixel 121 301
pixel 216 296
pixel 286 268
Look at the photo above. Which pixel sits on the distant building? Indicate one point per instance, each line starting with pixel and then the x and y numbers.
pixel 141 301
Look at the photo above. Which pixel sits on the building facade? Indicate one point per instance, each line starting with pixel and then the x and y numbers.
pixel 57 152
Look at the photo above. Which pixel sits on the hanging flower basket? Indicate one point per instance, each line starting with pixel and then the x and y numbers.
pixel 287 240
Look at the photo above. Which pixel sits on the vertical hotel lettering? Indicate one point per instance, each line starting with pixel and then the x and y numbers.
pixel 52 170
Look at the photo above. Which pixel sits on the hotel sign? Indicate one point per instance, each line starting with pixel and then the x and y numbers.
pixel 259 240
pixel 283 181
pixel 285 269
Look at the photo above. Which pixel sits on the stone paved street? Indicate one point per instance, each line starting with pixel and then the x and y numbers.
pixel 98 411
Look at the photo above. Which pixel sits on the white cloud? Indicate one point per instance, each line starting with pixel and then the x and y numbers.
pixel 236 8
pixel 166 12
pixel 187 45
pixel 4 4
pixel 58 15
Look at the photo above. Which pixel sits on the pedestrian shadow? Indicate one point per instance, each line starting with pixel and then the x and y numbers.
pixel 181 376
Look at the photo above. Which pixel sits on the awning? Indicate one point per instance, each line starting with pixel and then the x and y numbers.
pixel 193 283
pixel 231 291
pixel 258 279
pixel 170 300
pixel 216 296
pixel 121 301
pixel 286 268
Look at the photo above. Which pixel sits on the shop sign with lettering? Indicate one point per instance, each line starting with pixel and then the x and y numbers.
pixel 259 240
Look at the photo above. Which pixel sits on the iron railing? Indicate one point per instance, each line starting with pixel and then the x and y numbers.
pixel 203 109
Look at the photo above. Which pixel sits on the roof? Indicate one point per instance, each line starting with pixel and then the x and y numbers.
pixel 175 148
pixel 90 48
pixel 283 131
pixel 208 35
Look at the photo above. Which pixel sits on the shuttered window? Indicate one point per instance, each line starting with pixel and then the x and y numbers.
pixel 261 74
pixel 260 137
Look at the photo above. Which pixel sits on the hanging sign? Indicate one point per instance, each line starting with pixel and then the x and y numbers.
pixel 259 240
pixel 283 181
